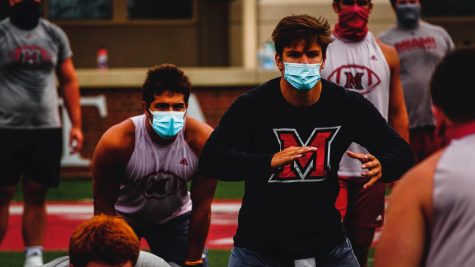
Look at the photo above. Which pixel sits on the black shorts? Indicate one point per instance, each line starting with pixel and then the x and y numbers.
pixel 32 154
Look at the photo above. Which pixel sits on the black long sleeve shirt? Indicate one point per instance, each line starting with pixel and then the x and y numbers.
pixel 291 211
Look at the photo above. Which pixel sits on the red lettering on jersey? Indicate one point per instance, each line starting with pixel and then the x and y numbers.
pixel 313 166
pixel 353 81
pixel 355 77
pixel 426 43
pixel 31 55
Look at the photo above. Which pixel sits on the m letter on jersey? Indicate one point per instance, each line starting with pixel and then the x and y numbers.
pixel 311 167
pixel 355 77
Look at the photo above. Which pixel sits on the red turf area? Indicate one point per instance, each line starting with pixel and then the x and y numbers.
pixel 64 217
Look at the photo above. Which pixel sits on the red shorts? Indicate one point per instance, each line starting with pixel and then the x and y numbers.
pixel 361 208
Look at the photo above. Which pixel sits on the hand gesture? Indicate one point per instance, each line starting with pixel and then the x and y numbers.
pixel 75 140
pixel 289 154
pixel 372 164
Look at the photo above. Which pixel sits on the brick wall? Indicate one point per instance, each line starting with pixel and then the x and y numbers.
pixel 124 103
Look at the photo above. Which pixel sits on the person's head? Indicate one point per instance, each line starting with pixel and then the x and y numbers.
pixel 452 87
pixel 301 42
pixel 25 14
pixel 338 5
pixel 165 92
pixel 408 12
pixel 353 16
pixel 294 30
pixel 103 241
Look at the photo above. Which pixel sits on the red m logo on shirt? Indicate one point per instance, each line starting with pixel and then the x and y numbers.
pixel 311 167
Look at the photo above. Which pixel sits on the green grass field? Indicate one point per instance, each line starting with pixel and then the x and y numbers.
pixel 81 189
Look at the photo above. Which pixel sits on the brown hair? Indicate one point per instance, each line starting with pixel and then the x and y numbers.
pixel 104 239
pixel 165 77
pixel 293 29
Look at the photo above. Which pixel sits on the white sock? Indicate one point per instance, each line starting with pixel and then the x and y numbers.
pixel 33 256
pixel 34 251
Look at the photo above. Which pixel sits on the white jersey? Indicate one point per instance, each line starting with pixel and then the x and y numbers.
pixel 453 224
pixel 361 67
pixel 155 187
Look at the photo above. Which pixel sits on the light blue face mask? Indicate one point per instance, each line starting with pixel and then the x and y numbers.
pixel 167 124
pixel 408 15
pixel 302 77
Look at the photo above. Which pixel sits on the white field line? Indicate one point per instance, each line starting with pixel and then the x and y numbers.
pixel 60 209
pixel 222 241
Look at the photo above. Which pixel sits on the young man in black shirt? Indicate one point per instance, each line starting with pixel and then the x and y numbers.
pixel 285 139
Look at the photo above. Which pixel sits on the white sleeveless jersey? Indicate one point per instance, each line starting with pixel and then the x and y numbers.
pixel 361 67
pixel 453 207
pixel 155 187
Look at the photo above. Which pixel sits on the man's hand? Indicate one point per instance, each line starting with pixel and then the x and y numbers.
pixel 75 139
pixel 372 164
pixel 289 154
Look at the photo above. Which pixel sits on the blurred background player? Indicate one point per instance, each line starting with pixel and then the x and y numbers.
pixel 432 223
pixel 106 241
pixel 141 167
pixel 32 50
pixel 359 62
pixel 420 46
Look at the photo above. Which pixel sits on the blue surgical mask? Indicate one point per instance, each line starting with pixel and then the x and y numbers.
pixel 302 77
pixel 408 15
pixel 167 124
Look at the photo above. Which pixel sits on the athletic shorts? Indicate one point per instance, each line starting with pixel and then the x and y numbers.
pixel 168 240
pixel 32 154
pixel 361 208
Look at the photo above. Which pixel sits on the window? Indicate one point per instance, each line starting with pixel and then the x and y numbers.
pixel 452 8
pixel 79 9
pixel 162 9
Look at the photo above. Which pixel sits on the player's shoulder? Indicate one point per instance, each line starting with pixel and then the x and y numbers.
pixel 338 94
pixel 432 27
pixel 423 172
pixel 196 134
pixel 5 25
pixel 389 32
pixel 119 136
pixel 264 90
pixel 196 127
pixel 46 23
pixel 147 259
pixel 386 48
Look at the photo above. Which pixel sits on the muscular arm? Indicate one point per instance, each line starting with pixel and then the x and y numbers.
pixel 70 88
pixel 108 165
pixel 202 193
pixel 398 118
pixel 406 230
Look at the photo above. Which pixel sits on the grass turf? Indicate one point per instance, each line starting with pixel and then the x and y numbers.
pixel 81 189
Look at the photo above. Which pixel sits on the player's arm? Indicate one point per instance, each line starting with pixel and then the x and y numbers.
pixel 397 115
pixel 228 153
pixel 108 166
pixel 406 229
pixel 202 194
pixel 70 90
